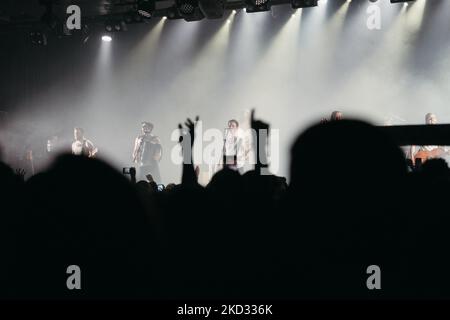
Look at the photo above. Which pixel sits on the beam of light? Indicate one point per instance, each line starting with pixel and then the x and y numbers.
pixel 247 35
pixel 208 64
pixel 391 21
pixel 337 21
pixel 281 52
pixel 385 59
pixel 201 79
pixel 396 44
pixel 331 35
pixel 393 46
pixel 415 15
pixel 146 48
pixel 440 58
pixel 140 62
pixel 314 19
pixel 274 72
pixel 105 53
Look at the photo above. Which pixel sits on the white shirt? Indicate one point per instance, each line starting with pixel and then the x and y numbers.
pixel 84 147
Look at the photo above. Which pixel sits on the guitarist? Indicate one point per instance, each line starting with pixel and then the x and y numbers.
pixel 427 152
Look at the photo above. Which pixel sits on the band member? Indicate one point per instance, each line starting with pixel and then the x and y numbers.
pixel 236 148
pixel 231 143
pixel 233 154
pixel 147 153
pixel 427 152
pixel 232 147
pixel 335 116
pixel 82 146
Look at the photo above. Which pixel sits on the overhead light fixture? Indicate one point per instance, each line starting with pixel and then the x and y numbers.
pixel 132 17
pixel 297 4
pixel 115 25
pixel 189 10
pixel 146 8
pixel 400 1
pixel 172 13
pixel 212 9
pixel 257 5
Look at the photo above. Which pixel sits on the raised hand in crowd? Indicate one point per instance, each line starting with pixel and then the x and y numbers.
pixel 262 130
pixel 189 176
pixel 20 173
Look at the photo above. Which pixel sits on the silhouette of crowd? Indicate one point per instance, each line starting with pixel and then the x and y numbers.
pixel 350 203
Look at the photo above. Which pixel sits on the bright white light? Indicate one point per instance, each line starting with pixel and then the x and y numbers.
pixel 228 21
pixel 415 15
pixel 164 18
pixel 106 38
pixel 405 4
pixel 233 12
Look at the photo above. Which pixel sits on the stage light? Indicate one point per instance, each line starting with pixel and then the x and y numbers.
pixel 212 9
pixel 257 5
pixel 106 38
pixel 189 10
pixel 186 8
pixel 115 26
pixel 38 38
pixel 172 13
pixel 132 17
pixel 145 8
pixel 297 4
pixel 400 1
